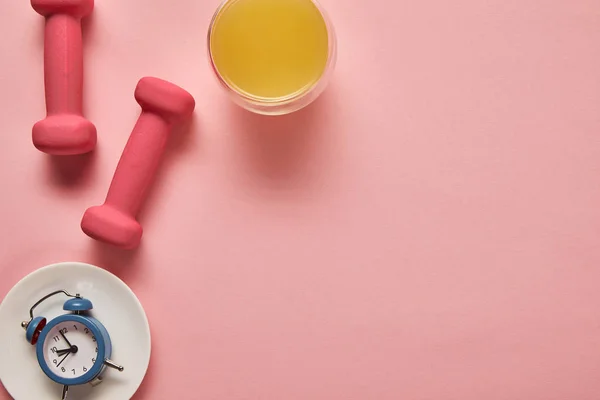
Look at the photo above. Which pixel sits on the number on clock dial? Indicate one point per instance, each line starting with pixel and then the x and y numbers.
pixel 70 365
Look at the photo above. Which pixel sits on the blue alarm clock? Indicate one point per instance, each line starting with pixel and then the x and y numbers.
pixel 73 348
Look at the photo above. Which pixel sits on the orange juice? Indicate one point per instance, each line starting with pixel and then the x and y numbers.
pixel 270 50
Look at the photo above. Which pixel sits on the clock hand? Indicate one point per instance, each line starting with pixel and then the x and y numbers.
pixel 63 351
pixel 67 355
pixel 66 340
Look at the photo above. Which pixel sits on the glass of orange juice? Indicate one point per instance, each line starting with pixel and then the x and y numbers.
pixel 272 56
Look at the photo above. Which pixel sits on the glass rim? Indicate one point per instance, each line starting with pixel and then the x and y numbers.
pixel 283 100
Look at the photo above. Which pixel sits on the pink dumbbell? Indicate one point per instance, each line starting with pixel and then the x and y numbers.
pixel 114 222
pixel 64 131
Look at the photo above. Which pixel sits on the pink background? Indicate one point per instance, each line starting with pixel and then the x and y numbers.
pixel 428 230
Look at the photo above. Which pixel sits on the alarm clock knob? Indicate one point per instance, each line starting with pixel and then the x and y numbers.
pixel 33 329
pixel 78 304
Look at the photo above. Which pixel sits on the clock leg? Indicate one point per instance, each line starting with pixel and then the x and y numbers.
pixel 65 392
pixel 97 380
pixel 111 364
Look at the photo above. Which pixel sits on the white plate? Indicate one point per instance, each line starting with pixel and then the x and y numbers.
pixel 115 305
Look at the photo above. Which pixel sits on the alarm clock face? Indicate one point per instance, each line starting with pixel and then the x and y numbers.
pixel 72 349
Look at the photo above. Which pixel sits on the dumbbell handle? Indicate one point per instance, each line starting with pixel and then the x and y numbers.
pixel 138 163
pixel 63 64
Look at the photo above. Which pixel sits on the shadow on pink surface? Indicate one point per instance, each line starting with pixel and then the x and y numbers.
pixel 71 172
pixel 88 30
pixel 285 152
pixel 123 263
